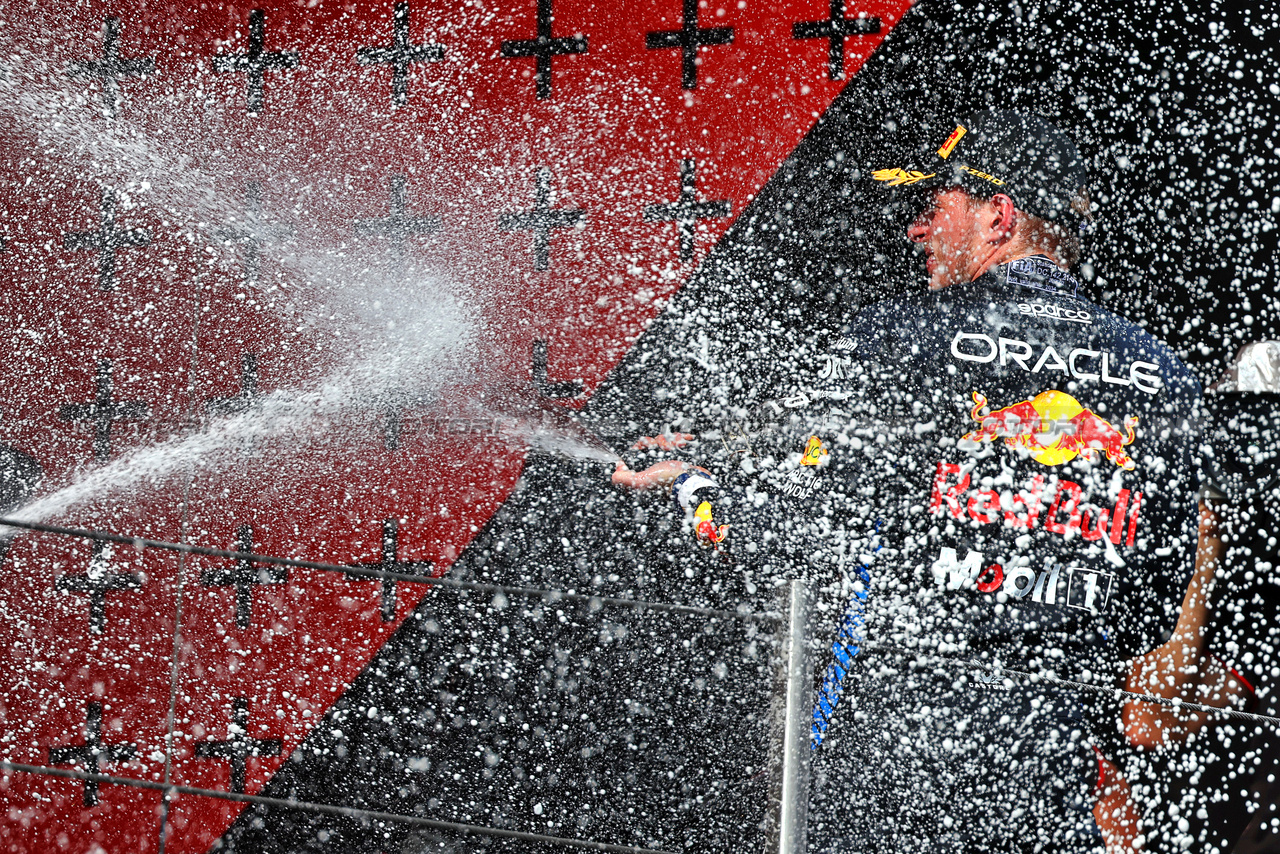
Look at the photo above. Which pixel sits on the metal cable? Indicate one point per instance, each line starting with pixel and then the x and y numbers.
pixel 330 809
pixel 1118 693
pixel 368 572
pixel 571 596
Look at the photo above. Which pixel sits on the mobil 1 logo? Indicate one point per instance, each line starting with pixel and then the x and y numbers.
pixel 1054 584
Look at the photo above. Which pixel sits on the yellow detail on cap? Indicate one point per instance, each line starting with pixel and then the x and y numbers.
pixel 813 452
pixel 992 178
pixel 950 144
pixel 898 176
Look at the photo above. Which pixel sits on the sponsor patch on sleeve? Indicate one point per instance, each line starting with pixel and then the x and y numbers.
pixel 1042 274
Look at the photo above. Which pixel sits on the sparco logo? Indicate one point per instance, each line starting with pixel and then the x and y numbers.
pixel 1055 312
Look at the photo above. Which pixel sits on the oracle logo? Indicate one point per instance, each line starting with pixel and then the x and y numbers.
pixel 977 347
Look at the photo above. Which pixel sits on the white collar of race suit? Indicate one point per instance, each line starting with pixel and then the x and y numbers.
pixel 1038 272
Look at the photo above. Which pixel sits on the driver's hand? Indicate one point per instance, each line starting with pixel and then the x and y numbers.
pixel 666 442
pixel 657 476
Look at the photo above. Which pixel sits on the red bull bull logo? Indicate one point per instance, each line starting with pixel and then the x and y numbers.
pixel 1054 428
pixel 705 528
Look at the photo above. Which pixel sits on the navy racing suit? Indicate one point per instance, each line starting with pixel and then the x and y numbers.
pixel 1016 468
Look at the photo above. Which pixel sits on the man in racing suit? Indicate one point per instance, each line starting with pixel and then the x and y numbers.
pixel 1015 466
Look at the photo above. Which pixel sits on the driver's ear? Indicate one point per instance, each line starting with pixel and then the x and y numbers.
pixel 1002 219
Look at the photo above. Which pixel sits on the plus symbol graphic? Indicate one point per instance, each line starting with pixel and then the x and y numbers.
pixel 835 29
pixel 542 219
pixel 688 210
pixel 256 62
pixel 398 226
pixel 239 745
pixel 97 583
pixel 92 753
pixel 392 425
pixel 689 38
pixel 541 381
pixel 103 411
pixel 390 563
pixel 244 576
pixel 400 54
pixel 253 234
pixel 246 398
pixel 111 68
pixel 544 47
pixel 107 240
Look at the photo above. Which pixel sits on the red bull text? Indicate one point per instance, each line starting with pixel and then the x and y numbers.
pixel 1066 516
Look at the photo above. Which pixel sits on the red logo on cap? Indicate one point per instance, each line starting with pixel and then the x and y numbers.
pixel 950 144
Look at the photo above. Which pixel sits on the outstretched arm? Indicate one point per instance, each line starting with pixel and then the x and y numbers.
pixel 1181 667
pixel 657 476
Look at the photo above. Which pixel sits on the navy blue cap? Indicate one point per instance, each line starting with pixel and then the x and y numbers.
pixel 1000 151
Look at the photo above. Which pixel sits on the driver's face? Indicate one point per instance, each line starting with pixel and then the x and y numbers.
pixel 947 231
